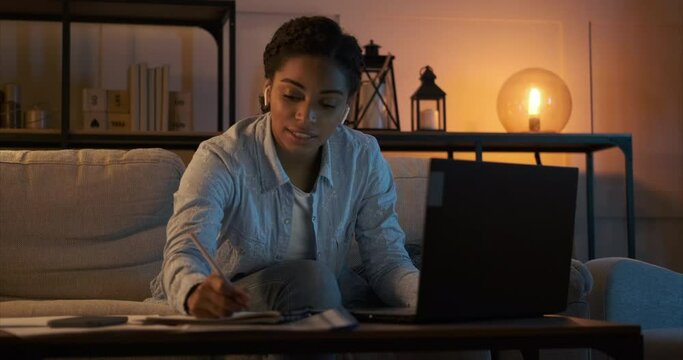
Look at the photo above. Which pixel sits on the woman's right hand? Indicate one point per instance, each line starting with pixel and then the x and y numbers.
pixel 215 297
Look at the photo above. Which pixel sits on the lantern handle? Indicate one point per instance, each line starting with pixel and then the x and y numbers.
pixel 425 68
pixel 427 74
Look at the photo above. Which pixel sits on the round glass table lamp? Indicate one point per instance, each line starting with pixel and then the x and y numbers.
pixel 534 100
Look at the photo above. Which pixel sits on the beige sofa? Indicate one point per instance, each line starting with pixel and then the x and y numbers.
pixel 636 292
pixel 83 231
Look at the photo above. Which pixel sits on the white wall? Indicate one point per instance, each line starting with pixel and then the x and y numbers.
pixel 473 46
pixel 638 88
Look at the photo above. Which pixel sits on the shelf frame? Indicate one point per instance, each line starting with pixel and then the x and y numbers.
pixel 210 15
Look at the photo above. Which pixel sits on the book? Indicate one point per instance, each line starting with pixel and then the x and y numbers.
pixel 151 99
pixel 180 113
pixel 94 99
pixel 95 120
pixel 165 105
pixel 118 121
pixel 142 90
pixel 118 101
pixel 241 317
pixel 158 98
pixel 134 95
pixel 305 320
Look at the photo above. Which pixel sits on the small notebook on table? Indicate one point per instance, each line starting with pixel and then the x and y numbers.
pixel 331 319
pixel 242 317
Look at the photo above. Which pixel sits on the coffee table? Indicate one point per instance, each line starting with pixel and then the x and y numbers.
pixel 620 341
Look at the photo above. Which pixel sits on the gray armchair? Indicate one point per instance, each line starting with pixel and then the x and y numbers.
pixel 632 291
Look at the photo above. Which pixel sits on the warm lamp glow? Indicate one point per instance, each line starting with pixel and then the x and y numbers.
pixel 534 100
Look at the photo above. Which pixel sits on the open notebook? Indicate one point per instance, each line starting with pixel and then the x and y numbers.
pixel 331 319
pixel 242 317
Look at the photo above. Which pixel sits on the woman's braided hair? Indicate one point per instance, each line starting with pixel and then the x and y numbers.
pixel 317 36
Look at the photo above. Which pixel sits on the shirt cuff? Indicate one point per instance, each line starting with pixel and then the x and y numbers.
pixel 188 282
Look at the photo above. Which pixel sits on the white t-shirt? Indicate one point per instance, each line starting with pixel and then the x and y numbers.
pixel 302 241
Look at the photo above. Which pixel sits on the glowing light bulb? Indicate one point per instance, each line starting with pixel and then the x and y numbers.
pixel 533 109
pixel 534 101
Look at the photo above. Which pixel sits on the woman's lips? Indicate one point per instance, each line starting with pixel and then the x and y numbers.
pixel 301 136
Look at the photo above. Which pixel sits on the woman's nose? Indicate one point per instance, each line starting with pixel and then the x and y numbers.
pixel 307 113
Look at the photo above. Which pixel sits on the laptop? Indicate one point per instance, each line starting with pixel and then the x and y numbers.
pixel 497 243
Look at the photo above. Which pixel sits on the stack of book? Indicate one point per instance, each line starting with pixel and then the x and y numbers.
pixel 147 105
pixel 106 110
pixel 149 97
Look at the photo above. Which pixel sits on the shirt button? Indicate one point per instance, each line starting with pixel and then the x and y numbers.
pixel 314 218
pixel 287 221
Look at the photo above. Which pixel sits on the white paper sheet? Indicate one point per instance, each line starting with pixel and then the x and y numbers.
pixel 37 326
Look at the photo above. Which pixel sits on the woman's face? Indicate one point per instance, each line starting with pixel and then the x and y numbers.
pixel 308 98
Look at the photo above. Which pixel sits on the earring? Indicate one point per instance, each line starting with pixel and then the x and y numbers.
pixel 265 97
pixel 346 114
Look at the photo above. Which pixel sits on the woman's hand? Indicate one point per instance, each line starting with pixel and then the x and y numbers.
pixel 215 297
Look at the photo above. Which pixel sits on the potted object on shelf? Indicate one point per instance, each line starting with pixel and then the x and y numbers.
pixel 10 108
pixel 35 118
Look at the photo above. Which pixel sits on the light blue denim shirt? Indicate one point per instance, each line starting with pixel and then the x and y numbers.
pixel 238 200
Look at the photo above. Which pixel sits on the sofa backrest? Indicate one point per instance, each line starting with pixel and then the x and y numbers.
pixel 84 224
pixel 88 224
pixel 410 177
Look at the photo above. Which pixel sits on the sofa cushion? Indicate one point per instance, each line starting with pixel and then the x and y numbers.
pixel 84 224
pixel 410 177
pixel 26 308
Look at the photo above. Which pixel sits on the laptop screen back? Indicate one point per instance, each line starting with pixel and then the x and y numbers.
pixel 498 240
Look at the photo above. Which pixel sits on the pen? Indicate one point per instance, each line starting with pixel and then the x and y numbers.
pixel 208 258
pixel 214 266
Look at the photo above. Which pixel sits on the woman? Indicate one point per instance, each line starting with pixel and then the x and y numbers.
pixel 278 197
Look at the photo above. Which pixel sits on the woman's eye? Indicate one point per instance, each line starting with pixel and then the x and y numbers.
pixel 328 105
pixel 291 97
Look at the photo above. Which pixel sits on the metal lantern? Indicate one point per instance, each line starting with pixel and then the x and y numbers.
pixel 376 104
pixel 428 104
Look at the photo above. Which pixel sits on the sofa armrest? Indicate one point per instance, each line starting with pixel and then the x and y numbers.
pixel 633 291
pixel 580 285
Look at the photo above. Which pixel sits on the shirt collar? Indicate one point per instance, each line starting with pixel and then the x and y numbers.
pixel 272 173
pixel 326 160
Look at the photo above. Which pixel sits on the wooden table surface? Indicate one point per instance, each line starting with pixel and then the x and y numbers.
pixel 619 340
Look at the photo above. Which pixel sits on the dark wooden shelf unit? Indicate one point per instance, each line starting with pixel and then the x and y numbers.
pixel 210 15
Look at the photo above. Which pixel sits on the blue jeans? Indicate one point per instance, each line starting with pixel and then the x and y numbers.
pixel 300 284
